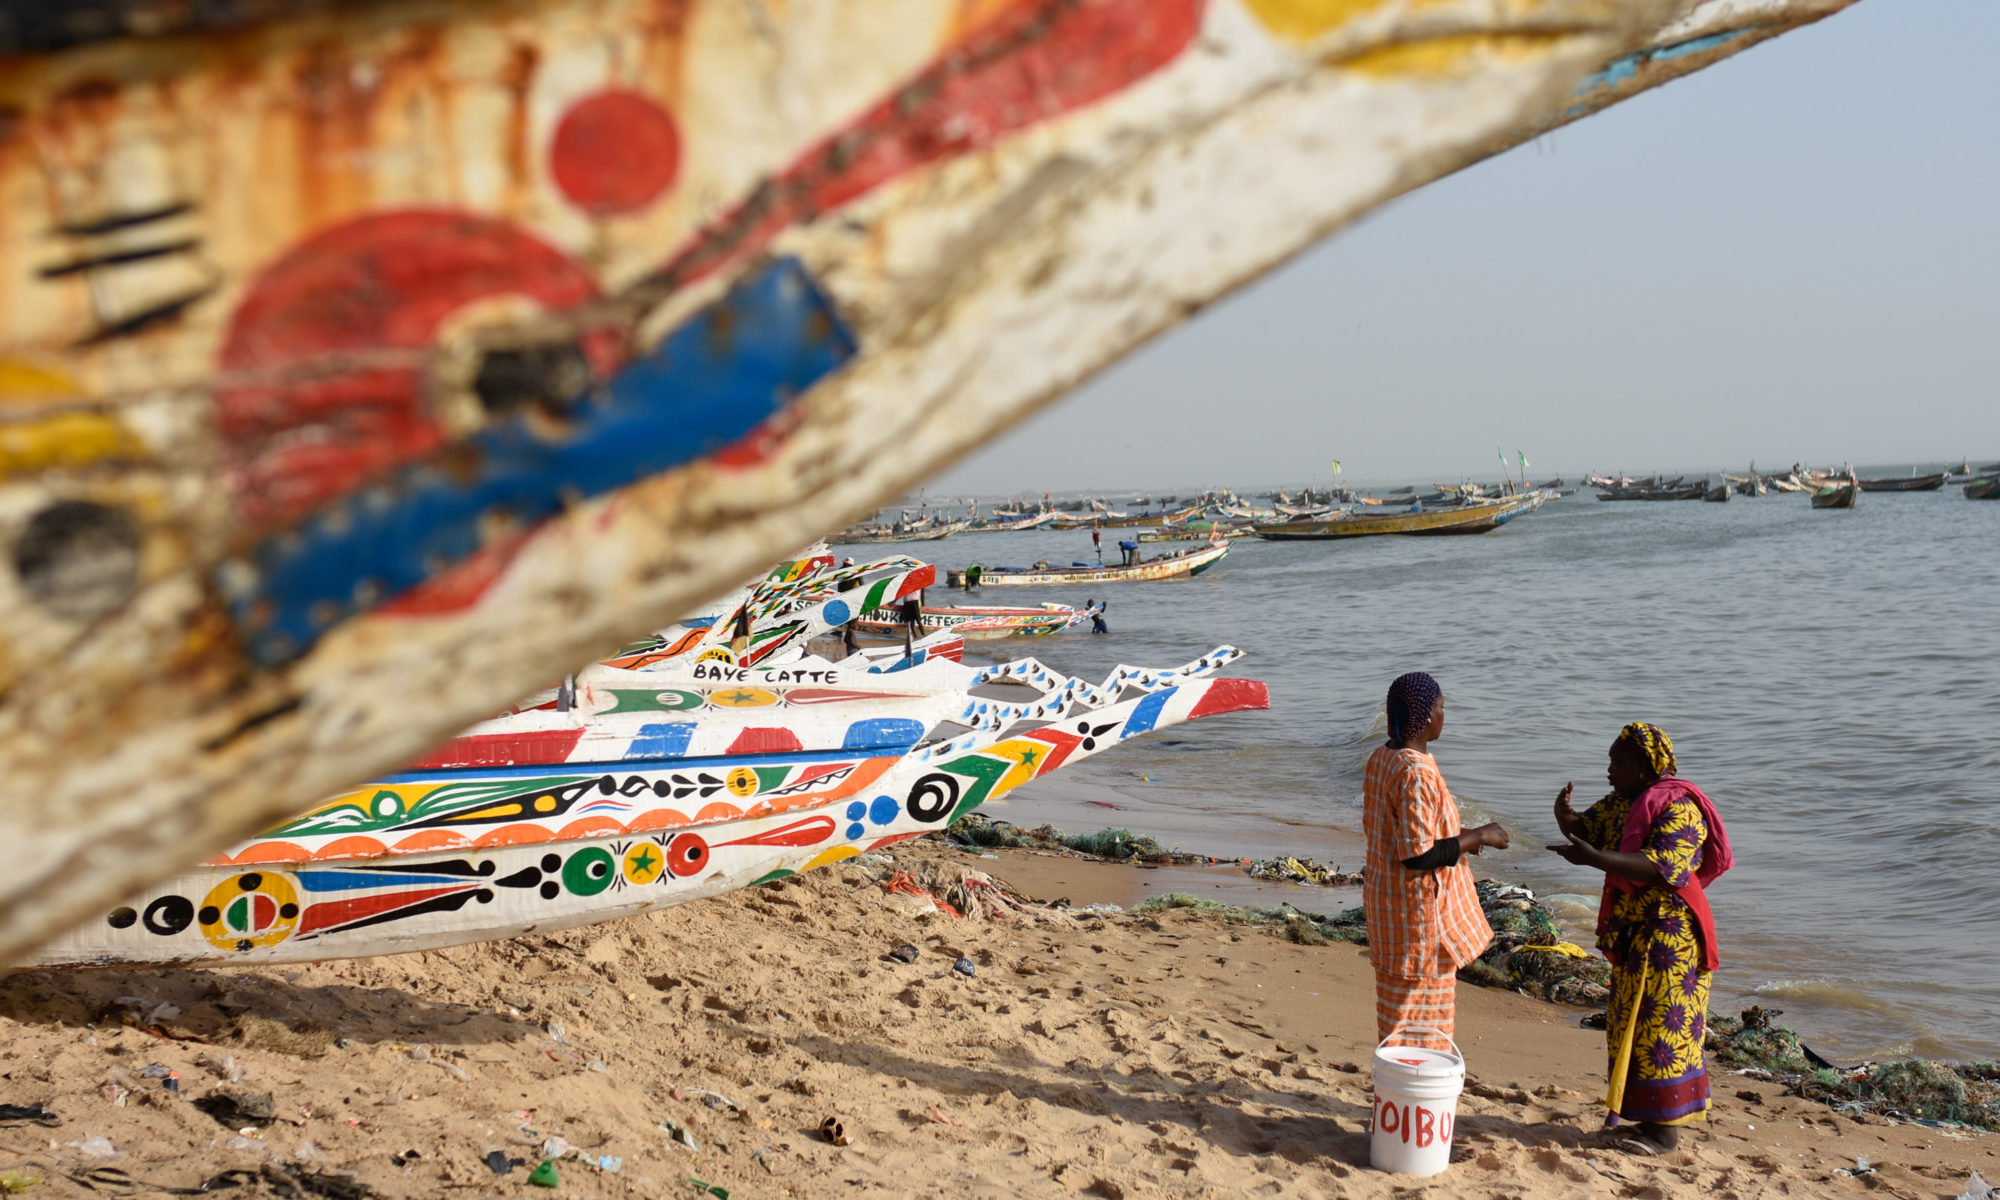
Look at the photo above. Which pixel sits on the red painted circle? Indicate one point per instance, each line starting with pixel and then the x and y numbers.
pixel 687 855
pixel 615 152
pixel 320 399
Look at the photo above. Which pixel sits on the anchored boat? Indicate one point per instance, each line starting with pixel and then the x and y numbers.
pixel 1468 518
pixel 1179 565
pixel 1915 483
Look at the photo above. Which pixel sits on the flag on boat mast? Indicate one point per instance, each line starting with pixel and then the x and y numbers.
pixel 1336 466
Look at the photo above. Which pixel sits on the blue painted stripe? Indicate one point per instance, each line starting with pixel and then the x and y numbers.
pixel 1623 69
pixel 665 740
pixel 573 770
pixel 1146 714
pixel 709 383
pixel 341 881
pixel 886 733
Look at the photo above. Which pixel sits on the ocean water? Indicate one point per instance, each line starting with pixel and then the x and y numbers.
pixel 1829 678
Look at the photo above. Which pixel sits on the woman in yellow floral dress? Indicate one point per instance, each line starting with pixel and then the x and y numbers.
pixel 1659 843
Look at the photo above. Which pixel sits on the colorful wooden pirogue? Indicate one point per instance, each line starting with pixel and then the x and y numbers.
pixel 1478 517
pixel 641 792
pixel 977 623
pixel 344 343
pixel 1181 564
pixel 676 776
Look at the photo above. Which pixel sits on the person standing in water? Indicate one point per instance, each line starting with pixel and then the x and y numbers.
pixel 1424 919
pixel 1660 843
pixel 1097 543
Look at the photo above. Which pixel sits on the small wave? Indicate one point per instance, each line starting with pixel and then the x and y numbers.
pixel 1805 989
pixel 1570 906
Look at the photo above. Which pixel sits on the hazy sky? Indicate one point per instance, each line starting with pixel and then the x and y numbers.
pixel 1792 255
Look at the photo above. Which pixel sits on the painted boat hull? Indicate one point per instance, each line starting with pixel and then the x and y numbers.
pixel 1840 496
pixel 1185 565
pixel 623 843
pixel 977 624
pixel 1466 520
pixel 1983 489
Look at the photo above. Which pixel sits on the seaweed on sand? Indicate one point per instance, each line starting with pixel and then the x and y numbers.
pixel 1297 925
pixel 1112 845
pixel 1754 1040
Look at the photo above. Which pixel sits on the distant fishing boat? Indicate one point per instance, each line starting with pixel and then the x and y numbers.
pixel 874 535
pixel 1469 518
pixel 1122 520
pixel 1983 489
pixel 1837 495
pixel 1179 565
pixel 1915 483
pixel 1719 494
pixel 1692 492
pixel 1001 523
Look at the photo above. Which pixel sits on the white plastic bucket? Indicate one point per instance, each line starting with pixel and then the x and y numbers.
pixel 1416 1104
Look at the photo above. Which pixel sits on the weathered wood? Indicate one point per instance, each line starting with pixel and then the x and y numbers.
pixel 363 369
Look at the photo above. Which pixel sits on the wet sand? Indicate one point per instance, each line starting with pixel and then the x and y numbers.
pixel 1135 1056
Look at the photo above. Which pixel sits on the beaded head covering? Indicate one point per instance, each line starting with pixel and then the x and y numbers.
pixel 1412 698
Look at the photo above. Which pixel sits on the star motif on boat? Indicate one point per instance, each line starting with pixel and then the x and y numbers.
pixel 737 697
pixel 643 865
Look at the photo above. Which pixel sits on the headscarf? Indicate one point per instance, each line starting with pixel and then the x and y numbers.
pixel 1653 746
pixel 1412 698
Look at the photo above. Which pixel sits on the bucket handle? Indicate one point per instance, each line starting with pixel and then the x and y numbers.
pixel 1414 1028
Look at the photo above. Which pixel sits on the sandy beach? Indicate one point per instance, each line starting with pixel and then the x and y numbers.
pixel 1164 1054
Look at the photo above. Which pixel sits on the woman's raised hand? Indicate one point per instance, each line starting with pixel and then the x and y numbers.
pixel 1566 818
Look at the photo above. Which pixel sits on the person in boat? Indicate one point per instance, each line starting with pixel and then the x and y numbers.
pixel 972 576
pixel 912 611
pixel 1424 919
pixel 1660 844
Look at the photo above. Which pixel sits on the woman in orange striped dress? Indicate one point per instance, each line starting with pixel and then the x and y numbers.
pixel 1424 919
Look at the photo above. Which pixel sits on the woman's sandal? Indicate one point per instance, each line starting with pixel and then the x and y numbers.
pixel 1628 1142
pixel 1639 1147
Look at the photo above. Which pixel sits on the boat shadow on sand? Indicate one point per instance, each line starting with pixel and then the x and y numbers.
pixel 244 1010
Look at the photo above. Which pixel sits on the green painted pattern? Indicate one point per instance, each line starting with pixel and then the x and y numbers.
pixel 626 700
pixel 387 808
pixel 589 871
pixel 983 771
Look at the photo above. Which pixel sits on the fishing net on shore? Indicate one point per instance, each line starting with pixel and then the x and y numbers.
pixel 975 830
pixel 964 892
pixel 1529 953
pixel 1303 870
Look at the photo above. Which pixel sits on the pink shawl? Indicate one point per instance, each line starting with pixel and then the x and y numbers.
pixel 1715 856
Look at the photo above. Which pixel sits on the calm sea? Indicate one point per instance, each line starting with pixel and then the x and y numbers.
pixel 1829 678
